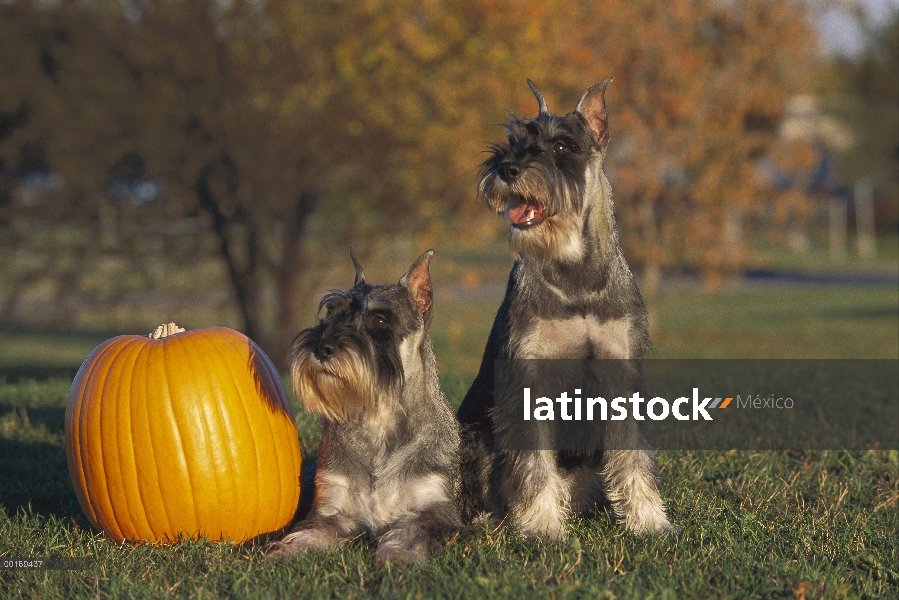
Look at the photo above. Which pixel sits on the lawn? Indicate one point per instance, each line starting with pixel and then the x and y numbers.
pixel 755 524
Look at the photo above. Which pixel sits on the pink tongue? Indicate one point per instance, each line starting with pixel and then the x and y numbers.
pixel 523 213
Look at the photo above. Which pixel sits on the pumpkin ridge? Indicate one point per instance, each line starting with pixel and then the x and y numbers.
pixel 223 416
pixel 272 406
pixel 118 367
pixel 84 412
pixel 78 426
pixel 166 445
pixel 292 460
pixel 268 389
pixel 124 344
pixel 183 454
pixel 149 445
pixel 220 412
pixel 126 445
pixel 247 412
pixel 270 386
pixel 131 377
pixel 74 410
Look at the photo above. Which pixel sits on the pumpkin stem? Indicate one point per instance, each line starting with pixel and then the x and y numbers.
pixel 165 331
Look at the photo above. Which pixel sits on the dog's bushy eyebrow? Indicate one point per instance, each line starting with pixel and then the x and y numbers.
pixel 378 304
pixel 333 298
pixel 515 126
pixel 546 127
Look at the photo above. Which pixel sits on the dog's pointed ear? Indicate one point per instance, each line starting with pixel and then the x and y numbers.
pixel 360 275
pixel 540 99
pixel 418 281
pixel 592 106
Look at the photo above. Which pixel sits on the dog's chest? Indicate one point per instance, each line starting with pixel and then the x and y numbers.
pixel 574 337
pixel 378 489
pixel 388 498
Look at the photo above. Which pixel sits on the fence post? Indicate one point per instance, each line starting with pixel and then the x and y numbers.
pixel 864 218
pixel 838 222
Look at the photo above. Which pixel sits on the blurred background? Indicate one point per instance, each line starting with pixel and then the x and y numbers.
pixel 209 162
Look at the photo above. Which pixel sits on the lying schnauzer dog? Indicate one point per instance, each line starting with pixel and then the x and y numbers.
pixel 388 456
pixel 570 295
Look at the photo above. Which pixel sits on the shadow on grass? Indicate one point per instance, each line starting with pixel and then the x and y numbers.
pixel 863 313
pixel 35 474
pixel 83 334
pixel 20 373
pixel 50 337
pixel 52 419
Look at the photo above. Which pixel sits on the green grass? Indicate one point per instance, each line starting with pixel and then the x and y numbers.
pixel 829 321
pixel 755 524
pixel 817 257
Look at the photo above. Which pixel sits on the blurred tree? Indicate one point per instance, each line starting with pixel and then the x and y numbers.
pixel 230 107
pixel 864 91
pixel 699 89
pixel 276 120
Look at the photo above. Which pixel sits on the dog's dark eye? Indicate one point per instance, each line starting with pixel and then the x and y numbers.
pixel 560 147
pixel 378 321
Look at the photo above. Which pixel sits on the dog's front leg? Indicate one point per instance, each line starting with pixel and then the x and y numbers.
pixel 631 481
pixel 428 516
pixel 329 522
pixel 314 534
pixel 418 536
pixel 536 493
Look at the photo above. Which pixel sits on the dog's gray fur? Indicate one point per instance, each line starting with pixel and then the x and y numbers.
pixel 570 295
pixel 388 456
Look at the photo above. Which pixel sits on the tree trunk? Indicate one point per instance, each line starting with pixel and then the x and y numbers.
pixel 288 274
pixel 245 278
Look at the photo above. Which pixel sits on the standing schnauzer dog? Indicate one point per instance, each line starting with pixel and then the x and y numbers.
pixel 570 295
pixel 388 456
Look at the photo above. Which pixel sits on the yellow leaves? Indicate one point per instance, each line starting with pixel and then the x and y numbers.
pixel 402 94
pixel 264 55
pixel 421 44
pixel 355 128
pixel 533 33
pixel 498 54
pixel 262 101
pixel 346 57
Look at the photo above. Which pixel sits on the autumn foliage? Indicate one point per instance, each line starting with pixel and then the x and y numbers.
pixel 277 122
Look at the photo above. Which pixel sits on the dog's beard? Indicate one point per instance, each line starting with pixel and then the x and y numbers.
pixel 539 228
pixel 341 389
pixel 557 237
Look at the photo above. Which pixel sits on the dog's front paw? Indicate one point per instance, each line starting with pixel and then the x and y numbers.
pixel 651 526
pixel 406 545
pixel 554 532
pixel 301 541
pixel 542 519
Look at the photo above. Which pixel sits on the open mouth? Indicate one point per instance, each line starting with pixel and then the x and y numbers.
pixel 526 214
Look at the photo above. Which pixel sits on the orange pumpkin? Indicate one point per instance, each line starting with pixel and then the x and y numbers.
pixel 186 435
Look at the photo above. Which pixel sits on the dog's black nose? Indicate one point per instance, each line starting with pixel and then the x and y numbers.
pixel 508 172
pixel 323 349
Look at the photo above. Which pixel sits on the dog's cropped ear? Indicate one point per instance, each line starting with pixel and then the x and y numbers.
pixel 592 106
pixel 540 99
pixel 360 276
pixel 418 281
